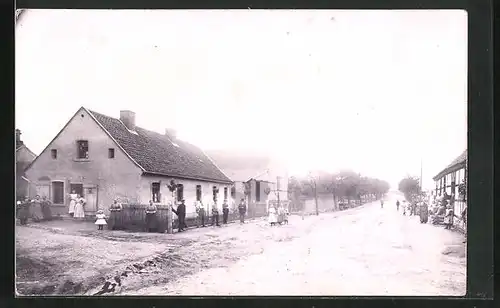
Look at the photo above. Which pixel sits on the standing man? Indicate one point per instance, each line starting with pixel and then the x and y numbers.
pixel 181 215
pixel 201 214
pixel 215 214
pixel 397 205
pixel 381 203
pixel 225 212
pixel 242 210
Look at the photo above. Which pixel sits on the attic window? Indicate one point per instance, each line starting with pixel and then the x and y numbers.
pixel 53 153
pixel 82 149
pixel 111 153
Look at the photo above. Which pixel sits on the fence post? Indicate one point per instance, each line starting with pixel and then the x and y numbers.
pixel 169 218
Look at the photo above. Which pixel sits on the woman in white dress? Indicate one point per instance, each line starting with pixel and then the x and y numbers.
pixel 72 203
pixel 79 211
pixel 272 219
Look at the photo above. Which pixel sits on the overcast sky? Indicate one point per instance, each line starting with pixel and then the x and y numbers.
pixel 372 91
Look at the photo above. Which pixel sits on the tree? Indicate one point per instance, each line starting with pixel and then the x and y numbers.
pixel 409 186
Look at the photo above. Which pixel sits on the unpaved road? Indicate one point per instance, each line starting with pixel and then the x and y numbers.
pixel 364 251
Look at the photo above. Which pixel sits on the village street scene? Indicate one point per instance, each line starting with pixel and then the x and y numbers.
pixel 190 164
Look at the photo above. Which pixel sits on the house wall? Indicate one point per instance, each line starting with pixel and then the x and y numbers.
pixel 116 177
pixel 24 157
pixel 146 193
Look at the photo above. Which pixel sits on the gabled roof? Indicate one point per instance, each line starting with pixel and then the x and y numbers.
pixel 456 164
pixel 158 154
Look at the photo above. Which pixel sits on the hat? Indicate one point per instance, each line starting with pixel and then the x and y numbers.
pixel 100 211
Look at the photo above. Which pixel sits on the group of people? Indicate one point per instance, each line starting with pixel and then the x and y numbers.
pixel 115 220
pixel 278 215
pixel 37 209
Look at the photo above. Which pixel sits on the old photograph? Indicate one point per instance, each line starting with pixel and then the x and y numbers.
pixel 240 152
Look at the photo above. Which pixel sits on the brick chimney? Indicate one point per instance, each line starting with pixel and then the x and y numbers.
pixel 19 142
pixel 128 118
pixel 170 132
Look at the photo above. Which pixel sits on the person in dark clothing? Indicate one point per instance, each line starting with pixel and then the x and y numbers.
pixel 397 205
pixel 151 220
pixel 242 210
pixel 47 213
pixel 24 211
pixel 464 219
pixel 181 215
pixel 225 212
pixel 215 214
pixel 381 204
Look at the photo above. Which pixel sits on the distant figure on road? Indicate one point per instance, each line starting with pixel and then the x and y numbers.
pixel 225 212
pixel 181 216
pixel 381 204
pixel 242 210
pixel 405 207
pixel 397 205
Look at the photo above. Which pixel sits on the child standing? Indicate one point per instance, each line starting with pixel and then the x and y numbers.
pixel 100 220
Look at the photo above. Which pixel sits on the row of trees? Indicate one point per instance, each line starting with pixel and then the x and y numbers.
pixel 345 184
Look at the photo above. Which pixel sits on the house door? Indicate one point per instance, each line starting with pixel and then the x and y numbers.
pixel 90 192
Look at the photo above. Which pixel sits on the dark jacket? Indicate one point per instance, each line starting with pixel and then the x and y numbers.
pixel 181 210
pixel 242 208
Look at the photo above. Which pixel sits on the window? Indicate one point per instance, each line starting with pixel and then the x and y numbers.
pixel 82 149
pixel 198 192
pixel 58 192
pixel 225 193
pixel 111 153
pixel 257 191
pixel 180 192
pixel 53 153
pixel 155 192
pixel 214 192
pixel 233 192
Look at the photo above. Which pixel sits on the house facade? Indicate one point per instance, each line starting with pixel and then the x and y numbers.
pixel 258 179
pixel 103 158
pixel 453 181
pixel 24 157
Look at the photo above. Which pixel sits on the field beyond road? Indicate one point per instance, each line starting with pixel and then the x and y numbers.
pixel 361 251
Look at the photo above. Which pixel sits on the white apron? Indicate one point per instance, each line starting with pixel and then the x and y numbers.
pixel 101 219
pixel 272 216
pixel 72 203
pixel 79 212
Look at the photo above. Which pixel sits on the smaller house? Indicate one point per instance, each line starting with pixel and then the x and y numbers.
pixel 258 179
pixel 24 157
pixel 452 180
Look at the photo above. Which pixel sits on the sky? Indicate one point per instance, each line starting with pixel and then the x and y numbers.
pixel 377 92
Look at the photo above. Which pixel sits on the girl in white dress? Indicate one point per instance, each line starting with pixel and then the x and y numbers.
pixel 273 219
pixel 100 220
pixel 79 212
pixel 72 203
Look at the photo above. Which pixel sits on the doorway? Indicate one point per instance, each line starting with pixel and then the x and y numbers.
pixel 77 188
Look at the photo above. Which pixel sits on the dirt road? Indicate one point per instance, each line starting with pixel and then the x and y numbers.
pixel 364 251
